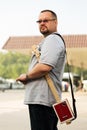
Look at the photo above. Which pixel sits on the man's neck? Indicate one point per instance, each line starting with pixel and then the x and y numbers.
pixel 45 35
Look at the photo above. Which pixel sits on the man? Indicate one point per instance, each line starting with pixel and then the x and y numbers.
pixel 38 95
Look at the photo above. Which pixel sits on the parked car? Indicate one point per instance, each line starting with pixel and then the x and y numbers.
pixel 84 85
pixel 65 86
pixel 75 78
pixel 4 85
pixel 17 85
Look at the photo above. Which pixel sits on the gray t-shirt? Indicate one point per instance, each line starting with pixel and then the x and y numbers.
pixel 52 51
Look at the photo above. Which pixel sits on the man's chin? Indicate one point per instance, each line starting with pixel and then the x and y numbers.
pixel 44 32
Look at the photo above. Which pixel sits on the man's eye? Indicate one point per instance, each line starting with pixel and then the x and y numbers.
pixel 45 21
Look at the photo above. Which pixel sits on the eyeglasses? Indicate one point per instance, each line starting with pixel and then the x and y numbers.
pixel 45 20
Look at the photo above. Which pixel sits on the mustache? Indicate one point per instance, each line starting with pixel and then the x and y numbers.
pixel 43 26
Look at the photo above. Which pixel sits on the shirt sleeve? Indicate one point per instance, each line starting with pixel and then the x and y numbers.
pixel 51 50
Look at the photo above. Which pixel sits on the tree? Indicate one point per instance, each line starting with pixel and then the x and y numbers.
pixel 13 64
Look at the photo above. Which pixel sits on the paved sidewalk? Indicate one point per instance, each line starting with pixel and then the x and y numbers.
pixel 14 114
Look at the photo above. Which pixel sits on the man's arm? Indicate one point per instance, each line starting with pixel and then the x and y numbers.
pixel 38 71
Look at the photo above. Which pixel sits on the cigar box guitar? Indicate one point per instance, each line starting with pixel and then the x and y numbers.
pixel 61 108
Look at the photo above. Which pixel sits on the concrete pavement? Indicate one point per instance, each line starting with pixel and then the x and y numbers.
pixel 14 114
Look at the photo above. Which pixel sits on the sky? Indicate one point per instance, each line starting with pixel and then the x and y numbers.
pixel 18 17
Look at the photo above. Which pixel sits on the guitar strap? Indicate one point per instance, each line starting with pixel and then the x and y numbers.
pixel 70 81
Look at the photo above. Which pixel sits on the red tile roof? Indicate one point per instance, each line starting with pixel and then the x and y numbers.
pixel 72 41
pixel 21 42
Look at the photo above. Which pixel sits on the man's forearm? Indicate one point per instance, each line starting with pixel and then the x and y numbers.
pixel 39 71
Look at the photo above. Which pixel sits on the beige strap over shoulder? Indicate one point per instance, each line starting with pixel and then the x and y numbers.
pixel 47 77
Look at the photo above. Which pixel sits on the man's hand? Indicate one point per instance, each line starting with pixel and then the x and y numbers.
pixel 22 78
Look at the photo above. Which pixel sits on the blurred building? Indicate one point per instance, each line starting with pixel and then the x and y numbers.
pixel 76 46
